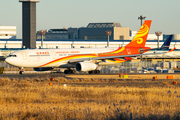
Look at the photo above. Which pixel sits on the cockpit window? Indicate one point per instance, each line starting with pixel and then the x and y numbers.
pixel 12 56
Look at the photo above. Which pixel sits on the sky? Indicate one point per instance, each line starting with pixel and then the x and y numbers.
pixel 165 14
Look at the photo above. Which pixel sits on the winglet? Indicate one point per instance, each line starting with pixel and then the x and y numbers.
pixel 172 50
pixel 140 39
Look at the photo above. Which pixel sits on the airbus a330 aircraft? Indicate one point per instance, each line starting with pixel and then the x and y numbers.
pixel 82 59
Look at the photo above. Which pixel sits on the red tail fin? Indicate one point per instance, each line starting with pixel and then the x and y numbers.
pixel 140 39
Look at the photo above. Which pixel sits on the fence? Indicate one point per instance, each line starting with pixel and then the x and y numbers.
pixel 141 67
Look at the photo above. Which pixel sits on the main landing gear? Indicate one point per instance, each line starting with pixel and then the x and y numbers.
pixel 94 72
pixel 69 71
pixel 21 71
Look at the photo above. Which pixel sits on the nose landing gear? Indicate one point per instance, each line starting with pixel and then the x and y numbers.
pixel 21 71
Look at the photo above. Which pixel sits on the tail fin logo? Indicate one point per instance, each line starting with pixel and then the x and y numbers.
pixel 140 39
pixel 142 32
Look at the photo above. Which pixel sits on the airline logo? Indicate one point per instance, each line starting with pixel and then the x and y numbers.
pixel 140 39
pixel 142 32
pixel 60 52
pixel 42 53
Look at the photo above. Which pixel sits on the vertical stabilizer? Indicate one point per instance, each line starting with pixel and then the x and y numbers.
pixel 140 39
pixel 167 42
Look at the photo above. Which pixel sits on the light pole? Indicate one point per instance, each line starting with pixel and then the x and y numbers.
pixel 141 18
pixel 108 33
pixel 42 32
pixel 158 33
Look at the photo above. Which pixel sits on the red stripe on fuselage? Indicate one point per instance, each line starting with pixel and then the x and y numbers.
pixel 126 51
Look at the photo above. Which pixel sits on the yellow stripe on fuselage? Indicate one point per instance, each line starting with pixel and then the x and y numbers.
pixel 63 59
pixel 118 51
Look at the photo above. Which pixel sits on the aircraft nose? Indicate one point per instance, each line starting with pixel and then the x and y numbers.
pixel 13 61
pixel 8 60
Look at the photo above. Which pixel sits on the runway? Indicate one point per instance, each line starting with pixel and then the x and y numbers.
pixel 30 75
pixel 133 80
pixel 98 76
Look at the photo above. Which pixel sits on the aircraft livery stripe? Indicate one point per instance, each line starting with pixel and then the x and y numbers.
pixel 87 56
pixel 68 58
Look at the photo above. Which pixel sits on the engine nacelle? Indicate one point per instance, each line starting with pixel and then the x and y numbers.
pixel 43 69
pixel 85 66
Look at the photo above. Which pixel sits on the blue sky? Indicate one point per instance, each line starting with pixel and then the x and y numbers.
pixel 165 14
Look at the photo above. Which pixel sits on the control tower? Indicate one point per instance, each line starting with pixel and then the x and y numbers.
pixel 29 23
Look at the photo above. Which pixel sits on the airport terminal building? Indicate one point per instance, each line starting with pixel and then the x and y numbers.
pixel 93 35
pixel 7 32
pixel 65 34
pixel 94 31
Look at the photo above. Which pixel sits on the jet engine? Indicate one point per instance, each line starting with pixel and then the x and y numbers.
pixel 43 69
pixel 85 66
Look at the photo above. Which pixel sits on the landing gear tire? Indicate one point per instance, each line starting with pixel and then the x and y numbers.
pixel 66 72
pixel 20 72
pixel 97 71
pixel 94 72
pixel 73 71
pixel 90 72
pixel 69 71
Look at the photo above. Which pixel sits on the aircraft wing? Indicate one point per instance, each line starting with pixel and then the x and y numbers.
pixel 111 57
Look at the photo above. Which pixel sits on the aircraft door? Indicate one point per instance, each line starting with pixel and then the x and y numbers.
pixel 54 55
pixel 24 55
pixel 128 51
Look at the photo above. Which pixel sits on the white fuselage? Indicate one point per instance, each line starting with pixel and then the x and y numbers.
pixel 53 57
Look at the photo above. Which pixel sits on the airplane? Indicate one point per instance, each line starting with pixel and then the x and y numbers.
pixel 164 46
pixel 81 59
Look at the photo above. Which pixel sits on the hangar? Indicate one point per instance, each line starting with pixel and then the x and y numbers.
pixel 96 31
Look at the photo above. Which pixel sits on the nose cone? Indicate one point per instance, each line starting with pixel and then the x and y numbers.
pixel 14 61
pixel 8 60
